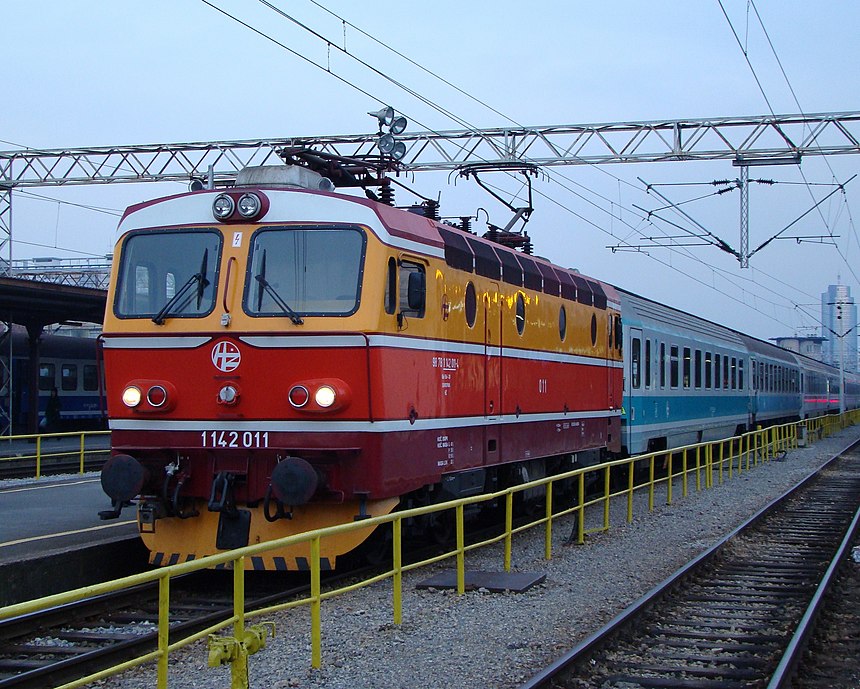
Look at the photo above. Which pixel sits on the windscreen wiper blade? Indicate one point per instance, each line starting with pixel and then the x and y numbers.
pixel 202 283
pixel 265 286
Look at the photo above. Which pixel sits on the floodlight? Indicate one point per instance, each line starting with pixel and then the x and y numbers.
pixel 384 116
pixel 398 151
pixel 386 143
pixel 398 125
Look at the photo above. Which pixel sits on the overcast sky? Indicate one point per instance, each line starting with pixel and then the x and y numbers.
pixel 89 73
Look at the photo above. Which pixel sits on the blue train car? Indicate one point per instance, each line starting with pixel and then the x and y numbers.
pixel 776 390
pixel 67 364
pixel 686 379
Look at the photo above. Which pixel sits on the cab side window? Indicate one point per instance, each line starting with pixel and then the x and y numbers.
pixel 413 289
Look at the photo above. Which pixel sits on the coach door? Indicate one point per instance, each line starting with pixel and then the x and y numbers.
pixel 492 370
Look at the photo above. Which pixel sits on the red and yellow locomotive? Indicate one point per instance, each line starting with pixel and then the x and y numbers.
pixel 280 357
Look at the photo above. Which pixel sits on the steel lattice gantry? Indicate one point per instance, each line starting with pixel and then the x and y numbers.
pixel 725 138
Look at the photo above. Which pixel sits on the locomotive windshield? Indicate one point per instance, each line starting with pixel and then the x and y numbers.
pixel 305 271
pixel 168 275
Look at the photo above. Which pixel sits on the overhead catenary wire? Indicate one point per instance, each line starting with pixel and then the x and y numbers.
pixel 457 119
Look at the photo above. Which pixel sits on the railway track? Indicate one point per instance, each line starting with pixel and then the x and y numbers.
pixel 72 641
pixel 63 644
pixel 27 468
pixel 726 620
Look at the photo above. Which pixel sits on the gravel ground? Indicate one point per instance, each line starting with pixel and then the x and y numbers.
pixel 482 639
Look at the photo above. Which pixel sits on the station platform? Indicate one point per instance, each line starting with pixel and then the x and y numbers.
pixel 52 540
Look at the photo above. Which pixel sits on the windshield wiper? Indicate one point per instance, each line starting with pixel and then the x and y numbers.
pixel 202 283
pixel 266 286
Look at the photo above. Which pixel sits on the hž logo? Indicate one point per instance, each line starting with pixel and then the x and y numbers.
pixel 226 356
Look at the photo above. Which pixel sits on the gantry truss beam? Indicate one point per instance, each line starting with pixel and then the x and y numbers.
pixel 725 138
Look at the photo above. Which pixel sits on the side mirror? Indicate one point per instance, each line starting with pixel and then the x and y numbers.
pixel 416 291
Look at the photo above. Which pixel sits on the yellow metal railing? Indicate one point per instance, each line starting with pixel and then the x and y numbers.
pixel 723 458
pixel 43 453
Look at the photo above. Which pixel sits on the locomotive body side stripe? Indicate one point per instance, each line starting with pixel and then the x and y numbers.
pixel 423 344
pixel 348 341
pixel 170 342
pixel 330 426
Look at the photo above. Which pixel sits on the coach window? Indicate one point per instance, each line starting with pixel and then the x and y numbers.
pixel 697 368
pixel 619 342
pixel 471 305
pixel 47 373
pixel 562 323
pixel 740 374
pixel 91 377
pixel 687 365
pixel 69 377
pixel 521 313
pixel 734 377
pixel 709 363
pixel 673 366
pixel 717 371
pixel 662 364
pixel 648 363
pixel 636 363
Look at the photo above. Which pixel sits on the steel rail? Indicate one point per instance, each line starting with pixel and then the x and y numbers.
pixel 592 648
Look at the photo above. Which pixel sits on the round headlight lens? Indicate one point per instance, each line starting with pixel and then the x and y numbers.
pixel 325 396
pixel 156 396
pixel 249 205
pixel 131 396
pixel 223 207
pixel 299 396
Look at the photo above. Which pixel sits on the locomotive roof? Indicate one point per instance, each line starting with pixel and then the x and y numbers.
pixel 394 225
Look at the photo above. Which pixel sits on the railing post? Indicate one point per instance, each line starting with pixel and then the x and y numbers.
pixel 548 526
pixel 606 498
pixel 38 456
pixel 82 452
pixel 651 483
pixel 631 468
pixel 316 625
pixel 509 525
pixel 580 525
pixel 699 468
pixel 461 553
pixel 397 581
pixel 670 479
pixel 163 628
pixel 723 459
pixel 684 472
pixel 239 662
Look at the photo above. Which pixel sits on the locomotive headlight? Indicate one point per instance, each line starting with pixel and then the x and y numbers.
pixel 131 396
pixel 249 206
pixel 325 396
pixel 298 396
pixel 156 396
pixel 223 207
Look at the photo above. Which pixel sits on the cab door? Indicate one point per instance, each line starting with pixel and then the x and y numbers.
pixel 492 372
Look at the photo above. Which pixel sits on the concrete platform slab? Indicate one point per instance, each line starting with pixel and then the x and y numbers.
pixel 495 582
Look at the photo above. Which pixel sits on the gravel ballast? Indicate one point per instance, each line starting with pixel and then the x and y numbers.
pixel 483 639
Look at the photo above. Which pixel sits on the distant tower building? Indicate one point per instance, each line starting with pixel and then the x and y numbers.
pixel 838 316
